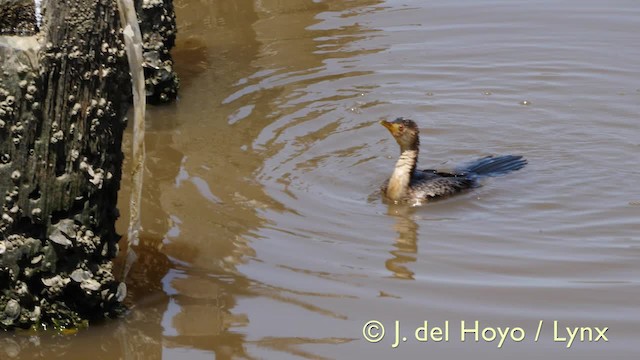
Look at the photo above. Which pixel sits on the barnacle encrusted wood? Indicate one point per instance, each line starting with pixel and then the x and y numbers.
pixel 17 17
pixel 158 27
pixel 62 117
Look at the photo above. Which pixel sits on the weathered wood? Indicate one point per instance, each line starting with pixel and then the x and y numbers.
pixel 157 21
pixel 17 17
pixel 62 109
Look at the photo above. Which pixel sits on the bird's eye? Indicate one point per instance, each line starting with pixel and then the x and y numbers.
pixel 401 127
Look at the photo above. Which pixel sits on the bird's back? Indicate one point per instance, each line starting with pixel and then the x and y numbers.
pixel 431 184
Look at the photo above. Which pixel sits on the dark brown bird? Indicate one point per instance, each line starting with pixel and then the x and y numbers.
pixel 409 185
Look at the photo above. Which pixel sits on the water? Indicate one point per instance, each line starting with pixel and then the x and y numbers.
pixel 264 234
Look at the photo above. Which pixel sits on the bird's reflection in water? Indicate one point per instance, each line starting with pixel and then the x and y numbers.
pixel 406 244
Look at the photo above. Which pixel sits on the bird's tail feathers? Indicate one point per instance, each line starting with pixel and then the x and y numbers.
pixel 494 166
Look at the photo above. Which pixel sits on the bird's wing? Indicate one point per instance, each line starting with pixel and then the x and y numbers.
pixel 441 186
pixel 431 174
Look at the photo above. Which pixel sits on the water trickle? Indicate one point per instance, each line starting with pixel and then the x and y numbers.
pixel 38 11
pixel 133 43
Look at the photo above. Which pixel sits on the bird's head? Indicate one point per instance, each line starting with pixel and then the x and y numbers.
pixel 405 132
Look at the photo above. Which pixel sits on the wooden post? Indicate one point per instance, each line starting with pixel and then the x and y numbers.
pixel 17 17
pixel 63 98
pixel 158 27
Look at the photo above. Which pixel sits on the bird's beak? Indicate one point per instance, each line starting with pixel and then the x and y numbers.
pixel 393 128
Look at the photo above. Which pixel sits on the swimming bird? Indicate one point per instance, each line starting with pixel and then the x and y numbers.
pixel 409 185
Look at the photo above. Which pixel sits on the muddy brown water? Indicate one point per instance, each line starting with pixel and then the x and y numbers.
pixel 264 236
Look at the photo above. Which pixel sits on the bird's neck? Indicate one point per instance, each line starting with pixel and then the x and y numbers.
pixel 401 177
